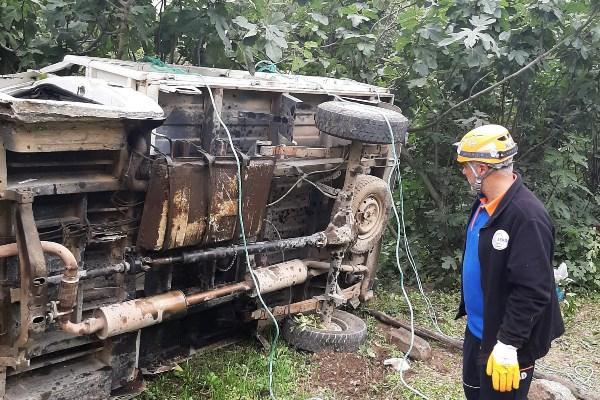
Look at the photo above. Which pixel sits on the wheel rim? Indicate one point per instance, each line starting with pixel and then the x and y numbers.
pixel 368 217
pixel 332 326
pixel 337 325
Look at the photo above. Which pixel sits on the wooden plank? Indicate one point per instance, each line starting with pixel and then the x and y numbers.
pixel 212 127
pixel 64 136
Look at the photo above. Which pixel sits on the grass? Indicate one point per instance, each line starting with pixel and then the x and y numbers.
pixel 390 300
pixel 438 380
pixel 237 372
pixel 240 371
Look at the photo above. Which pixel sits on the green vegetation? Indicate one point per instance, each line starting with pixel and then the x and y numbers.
pixel 240 371
pixel 531 65
pixel 237 372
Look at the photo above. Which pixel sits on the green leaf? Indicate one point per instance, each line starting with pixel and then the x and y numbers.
pixel 357 19
pixel 297 63
pixel 419 82
pixel 519 56
pixel 371 353
pixel 481 21
pixel 421 68
pixel 447 41
pixel 276 17
pixel 320 18
pixel 366 48
pixel 221 26
pixel 273 51
pixel 471 38
pixel 504 36
pixel 430 31
pixel 273 34
pixel 243 22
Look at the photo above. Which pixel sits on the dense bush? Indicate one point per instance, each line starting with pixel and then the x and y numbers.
pixel 433 55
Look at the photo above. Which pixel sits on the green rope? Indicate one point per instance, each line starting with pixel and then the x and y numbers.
pixel 161 66
pixel 266 66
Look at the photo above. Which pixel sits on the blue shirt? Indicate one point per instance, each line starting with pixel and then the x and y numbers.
pixel 472 273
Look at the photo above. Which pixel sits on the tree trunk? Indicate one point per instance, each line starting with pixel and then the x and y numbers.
pixel 123 36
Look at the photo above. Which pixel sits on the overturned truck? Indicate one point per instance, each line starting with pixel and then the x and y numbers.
pixel 145 211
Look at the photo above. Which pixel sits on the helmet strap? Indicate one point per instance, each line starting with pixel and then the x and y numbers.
pixel 476 186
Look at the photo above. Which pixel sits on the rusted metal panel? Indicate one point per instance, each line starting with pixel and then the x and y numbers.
pixel 153 226
pixel 85 378
pixel 211 126
pixel 256 186
pixel 223 201
pixel 190 202
pixel 188 206
pixel 175 210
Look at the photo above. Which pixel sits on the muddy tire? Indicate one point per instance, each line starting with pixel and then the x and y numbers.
pixel 370 205
pixel 354 121
pixel 346 334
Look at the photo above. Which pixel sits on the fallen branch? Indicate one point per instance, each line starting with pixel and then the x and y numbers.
pixel 423 332
pixel 458 344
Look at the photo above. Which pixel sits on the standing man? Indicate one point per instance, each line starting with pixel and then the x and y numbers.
pixel 508 291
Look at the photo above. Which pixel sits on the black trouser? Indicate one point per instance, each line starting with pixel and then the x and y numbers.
pixel 478 385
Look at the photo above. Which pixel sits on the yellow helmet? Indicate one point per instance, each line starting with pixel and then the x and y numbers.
pixel 489 144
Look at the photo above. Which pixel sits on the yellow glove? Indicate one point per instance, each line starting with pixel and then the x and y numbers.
pixel 503 367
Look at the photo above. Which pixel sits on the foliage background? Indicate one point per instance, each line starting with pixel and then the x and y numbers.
pixel 432 54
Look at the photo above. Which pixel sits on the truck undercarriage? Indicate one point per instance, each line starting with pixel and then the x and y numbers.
pixel 120 203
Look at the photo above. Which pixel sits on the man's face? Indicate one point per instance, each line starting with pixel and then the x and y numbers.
pixel 467 171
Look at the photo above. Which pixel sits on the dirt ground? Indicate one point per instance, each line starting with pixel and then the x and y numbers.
pixel 336 376
pixel 345 376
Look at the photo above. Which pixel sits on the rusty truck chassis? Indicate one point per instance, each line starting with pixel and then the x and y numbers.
pixel 181 194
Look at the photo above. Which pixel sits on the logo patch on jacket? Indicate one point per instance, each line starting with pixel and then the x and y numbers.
pixel 500 239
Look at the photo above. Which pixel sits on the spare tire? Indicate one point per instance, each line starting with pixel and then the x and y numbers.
pixel 355 121
pixel 345 333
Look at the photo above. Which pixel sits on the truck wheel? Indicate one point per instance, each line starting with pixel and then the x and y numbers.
pixel 345 333
pixel 370 205
pixel 360 122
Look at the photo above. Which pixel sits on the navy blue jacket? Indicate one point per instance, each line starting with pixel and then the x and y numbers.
pixel 516 248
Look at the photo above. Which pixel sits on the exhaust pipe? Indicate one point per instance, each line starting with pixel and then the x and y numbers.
pixel 132 315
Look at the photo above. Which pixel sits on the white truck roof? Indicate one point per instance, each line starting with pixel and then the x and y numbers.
pixel 189 78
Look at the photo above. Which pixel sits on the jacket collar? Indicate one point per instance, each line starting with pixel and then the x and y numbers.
pixel 512 191
pixel 514 188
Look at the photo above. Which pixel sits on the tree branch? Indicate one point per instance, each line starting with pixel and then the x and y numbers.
pixel 478 82
pixel 506 79
pixel 428 184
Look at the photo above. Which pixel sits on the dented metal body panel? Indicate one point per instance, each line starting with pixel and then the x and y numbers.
pixel 130 170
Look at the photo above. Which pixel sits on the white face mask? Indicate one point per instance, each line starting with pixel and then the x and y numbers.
pixel 476 186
